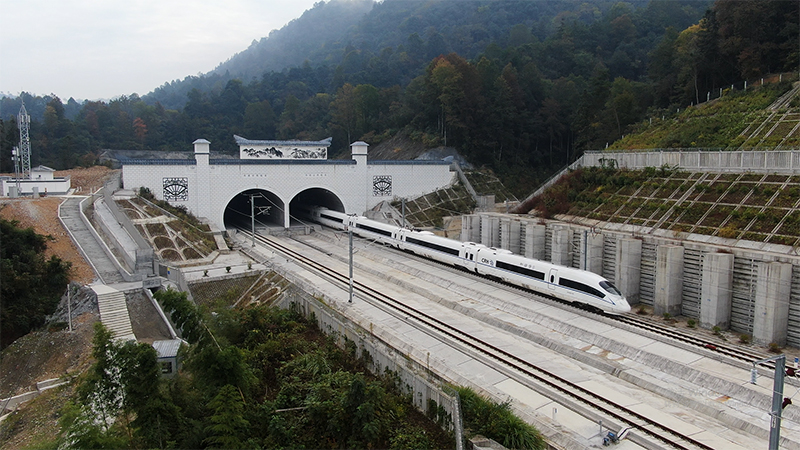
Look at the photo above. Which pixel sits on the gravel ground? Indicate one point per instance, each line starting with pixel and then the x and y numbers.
pixel 42 215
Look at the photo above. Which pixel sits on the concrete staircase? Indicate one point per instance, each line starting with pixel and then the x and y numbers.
pixel 114 312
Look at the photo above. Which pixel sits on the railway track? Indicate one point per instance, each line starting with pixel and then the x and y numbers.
pixel 663 333
pixel 510 364
pixel 733 352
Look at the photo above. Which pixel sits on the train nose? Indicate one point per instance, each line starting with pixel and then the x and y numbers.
pixel 622 306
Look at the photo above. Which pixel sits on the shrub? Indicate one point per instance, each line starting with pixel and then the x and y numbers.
pixel 728 231
pixel 744 338
pixel 496 421
pixel 691 323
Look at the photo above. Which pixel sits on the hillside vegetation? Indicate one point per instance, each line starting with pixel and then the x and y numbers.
pixel 521 88
pixel 729 122
pixel 750 206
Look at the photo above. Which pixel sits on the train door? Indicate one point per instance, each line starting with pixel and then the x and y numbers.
pixel 469 257
pixel 552 278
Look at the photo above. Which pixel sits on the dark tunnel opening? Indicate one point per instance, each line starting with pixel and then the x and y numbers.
pixel 267 209
pixel 302 203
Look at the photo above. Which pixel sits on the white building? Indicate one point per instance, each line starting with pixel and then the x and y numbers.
pixel 41 182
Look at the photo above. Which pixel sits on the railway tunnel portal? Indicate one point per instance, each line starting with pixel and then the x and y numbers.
pixel 282 179
pixel 262 208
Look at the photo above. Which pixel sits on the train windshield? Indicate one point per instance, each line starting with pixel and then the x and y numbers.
pixel 610 288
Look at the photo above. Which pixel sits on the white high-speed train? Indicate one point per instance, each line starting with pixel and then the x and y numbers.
pixel 565 283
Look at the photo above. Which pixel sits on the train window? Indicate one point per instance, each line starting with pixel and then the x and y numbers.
pixel 432 246
pixel 610 288
pixel 552 278
pixel 373 229
pixel 580 287
pixel 325 216
pixel 521 270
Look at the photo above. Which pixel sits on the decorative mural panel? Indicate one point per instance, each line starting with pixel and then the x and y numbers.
pixel 265 152
pixel 283 153
pixel 317 153
pixel 382 185
pixel 176 189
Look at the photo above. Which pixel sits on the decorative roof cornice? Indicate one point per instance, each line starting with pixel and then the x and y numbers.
pixel 244 141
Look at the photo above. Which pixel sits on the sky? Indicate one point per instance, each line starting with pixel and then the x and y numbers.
pixel 101 49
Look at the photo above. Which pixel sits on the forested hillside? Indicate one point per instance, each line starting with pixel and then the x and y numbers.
pixel 521 87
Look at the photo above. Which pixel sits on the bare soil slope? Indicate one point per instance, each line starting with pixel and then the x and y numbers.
pixel 42 215
pixel 53 352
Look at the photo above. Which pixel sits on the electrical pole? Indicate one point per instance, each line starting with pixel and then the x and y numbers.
pixel 69 309
pixel 253 218
pixel 404 213
pixel 15 156
pixel 777 398
pixel 263 210
pixel 350 236
pixel 585 250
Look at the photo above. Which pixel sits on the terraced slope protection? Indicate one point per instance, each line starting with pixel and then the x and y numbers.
pixel 754 207
pixel 172 239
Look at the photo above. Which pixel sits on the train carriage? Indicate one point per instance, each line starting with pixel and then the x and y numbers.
pixel 565 283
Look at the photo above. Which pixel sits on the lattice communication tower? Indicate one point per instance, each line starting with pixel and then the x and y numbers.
pixel 24 124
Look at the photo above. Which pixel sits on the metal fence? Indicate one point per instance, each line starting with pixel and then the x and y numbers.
pixel 699 160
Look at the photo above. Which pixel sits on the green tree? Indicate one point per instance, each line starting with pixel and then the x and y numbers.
pixel 690 61
pixel 9 138
pixel 227 427
pixel 661 69
pixel 213 363
pixel 32 285
pixel 259 120
pixel 445 80
pixel 344 113
pixel 123 386
pixel 289 124
pixel 102 390
pixel 80 430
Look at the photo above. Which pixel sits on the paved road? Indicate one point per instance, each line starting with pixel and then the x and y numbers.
pixel 103 267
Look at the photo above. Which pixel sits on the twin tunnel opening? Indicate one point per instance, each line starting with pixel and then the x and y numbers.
pixel 269 210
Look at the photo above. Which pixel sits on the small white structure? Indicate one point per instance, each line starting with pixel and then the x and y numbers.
pixel 250 149
pixel 167 351
pixel 42 173
pixel 41 182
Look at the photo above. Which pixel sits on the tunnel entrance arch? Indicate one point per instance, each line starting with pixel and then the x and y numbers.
pixel 302 203
pixel 267 209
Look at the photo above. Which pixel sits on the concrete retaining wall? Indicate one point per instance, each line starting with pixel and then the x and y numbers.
pixel 129 261
pixel 736 161
pixel 644 279
pixel 124 273
pixel 11 403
